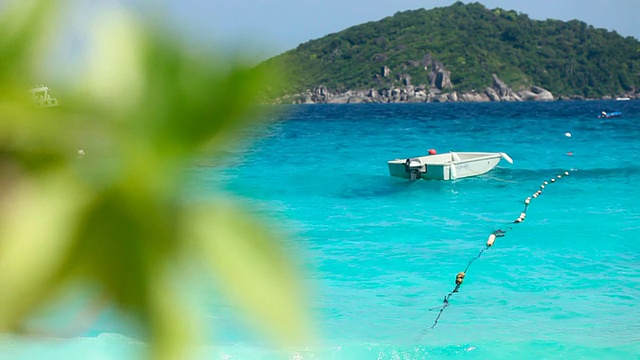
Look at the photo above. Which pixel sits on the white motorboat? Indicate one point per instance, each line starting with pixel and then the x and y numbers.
pixel 447 166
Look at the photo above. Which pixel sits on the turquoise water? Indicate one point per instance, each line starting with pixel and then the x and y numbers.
pixel 380 251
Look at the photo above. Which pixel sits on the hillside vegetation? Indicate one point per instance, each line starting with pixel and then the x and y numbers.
pixel 471 42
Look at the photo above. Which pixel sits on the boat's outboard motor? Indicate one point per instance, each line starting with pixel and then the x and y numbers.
pixel 413 167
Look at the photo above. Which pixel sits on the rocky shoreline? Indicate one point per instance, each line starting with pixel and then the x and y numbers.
pixel 438 91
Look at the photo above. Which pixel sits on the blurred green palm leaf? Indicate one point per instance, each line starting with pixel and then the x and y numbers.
pixel 116 217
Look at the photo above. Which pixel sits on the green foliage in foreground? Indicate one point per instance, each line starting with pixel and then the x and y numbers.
pixel 115 221
pixel 567 58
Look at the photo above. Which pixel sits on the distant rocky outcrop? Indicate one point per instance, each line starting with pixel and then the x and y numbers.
pixel 504 92
pixel 440 77
pixel 536 93
pixel 439 90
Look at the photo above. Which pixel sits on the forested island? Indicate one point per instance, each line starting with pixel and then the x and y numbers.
pixel 461 53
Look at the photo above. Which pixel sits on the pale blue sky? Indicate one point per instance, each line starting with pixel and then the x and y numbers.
pixel 274 26
pixel 264 28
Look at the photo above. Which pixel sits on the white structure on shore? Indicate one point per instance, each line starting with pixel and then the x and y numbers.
pixel 41 96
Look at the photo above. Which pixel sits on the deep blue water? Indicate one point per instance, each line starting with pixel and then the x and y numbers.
pixel 380 251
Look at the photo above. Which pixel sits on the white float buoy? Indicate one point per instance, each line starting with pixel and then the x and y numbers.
pixel 568 134
pixel 490 240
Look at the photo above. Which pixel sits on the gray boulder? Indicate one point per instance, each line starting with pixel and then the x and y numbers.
pixel 492 94
pixel 536 93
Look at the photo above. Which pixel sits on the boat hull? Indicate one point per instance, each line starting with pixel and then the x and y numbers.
pixel 447 166
pixel 610 115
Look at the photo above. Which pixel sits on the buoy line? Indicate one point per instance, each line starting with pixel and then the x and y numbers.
pixel 490 242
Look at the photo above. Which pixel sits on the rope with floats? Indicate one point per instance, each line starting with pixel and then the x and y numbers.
pixel 490 242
